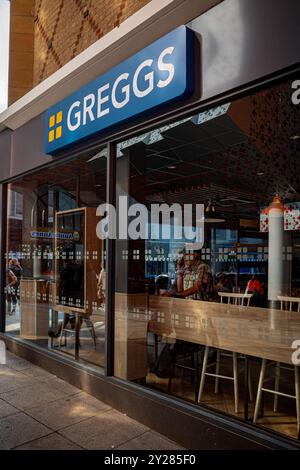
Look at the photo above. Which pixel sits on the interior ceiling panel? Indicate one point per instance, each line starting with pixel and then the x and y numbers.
pixel 256 160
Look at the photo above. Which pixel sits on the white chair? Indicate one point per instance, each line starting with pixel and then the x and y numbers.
pixel 286 303
pixel 235 299
pixel 261 388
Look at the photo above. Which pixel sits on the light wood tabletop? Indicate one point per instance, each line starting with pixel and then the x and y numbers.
pixel 260 332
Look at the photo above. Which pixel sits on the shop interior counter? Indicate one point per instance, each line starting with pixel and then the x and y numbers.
pixel 34 306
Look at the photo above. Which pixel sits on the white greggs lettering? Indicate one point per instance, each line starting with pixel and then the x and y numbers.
pixel 162 73
pixel 94 106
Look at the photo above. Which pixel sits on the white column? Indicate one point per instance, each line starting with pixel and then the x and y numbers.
pixel 275 263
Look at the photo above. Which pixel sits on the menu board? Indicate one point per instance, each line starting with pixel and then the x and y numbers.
pixel 70 258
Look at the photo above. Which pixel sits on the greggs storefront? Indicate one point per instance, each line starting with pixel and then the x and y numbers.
pixel 150 223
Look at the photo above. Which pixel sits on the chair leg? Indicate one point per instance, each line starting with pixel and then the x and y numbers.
pixel 193 367
pixel 155 347
pixel 217 371
pixel 93 333
pixel 172 369
pixel 297 390
pixel 277 379
pixel 196 375
pixel 202 380
pixel 250 388
pixel 259 389
pixel 62 333
pixel 235 382
pixel 94 336
pixel 90 326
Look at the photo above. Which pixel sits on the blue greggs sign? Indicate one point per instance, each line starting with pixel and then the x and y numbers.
pixel 159 74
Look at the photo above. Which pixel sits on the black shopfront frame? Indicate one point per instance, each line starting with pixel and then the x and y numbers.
pixel 179 420
pixel 154 409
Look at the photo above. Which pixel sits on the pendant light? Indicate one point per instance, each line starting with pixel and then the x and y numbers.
pixel 211 216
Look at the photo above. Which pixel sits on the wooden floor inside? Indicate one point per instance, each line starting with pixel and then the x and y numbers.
pixel 183 386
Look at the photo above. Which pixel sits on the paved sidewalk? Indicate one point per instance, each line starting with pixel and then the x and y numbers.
pixel 40 411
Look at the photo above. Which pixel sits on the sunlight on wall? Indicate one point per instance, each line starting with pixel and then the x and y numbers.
pixel 4 52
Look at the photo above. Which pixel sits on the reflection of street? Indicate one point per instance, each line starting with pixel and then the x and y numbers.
pixel 13 321
pixel 82 336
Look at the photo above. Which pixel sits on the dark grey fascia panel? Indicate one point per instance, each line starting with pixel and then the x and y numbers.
pixel 5 153
pixel 245 40
pixel 28 147
pixel 241 41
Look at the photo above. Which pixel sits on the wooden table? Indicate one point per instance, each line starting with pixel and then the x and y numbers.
pixel 259 332
pixel 251 331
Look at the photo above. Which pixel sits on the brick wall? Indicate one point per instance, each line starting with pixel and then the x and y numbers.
pixel 64 28
pixel 21 48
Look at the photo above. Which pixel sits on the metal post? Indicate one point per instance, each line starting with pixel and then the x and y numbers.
pixel 110 266
pixel 3 209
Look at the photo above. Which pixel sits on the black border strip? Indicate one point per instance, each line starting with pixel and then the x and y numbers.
pixel 3 235
pixel 110 266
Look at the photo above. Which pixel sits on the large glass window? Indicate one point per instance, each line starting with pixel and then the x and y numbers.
pixel 55 263
pixel 190 320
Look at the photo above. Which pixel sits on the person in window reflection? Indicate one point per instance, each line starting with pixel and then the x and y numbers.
pixel 194 278
pixel 16 268
pixel 11 282
pixel 255 288
pixel 101 287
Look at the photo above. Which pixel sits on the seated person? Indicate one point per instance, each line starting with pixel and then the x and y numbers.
pixel 255 288
pixel 194 279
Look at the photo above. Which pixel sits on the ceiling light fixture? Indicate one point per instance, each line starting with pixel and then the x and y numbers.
pixel 211 216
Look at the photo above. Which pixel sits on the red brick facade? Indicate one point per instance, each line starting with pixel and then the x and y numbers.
pixel 46 34
pixel 64 28
pixel 21 48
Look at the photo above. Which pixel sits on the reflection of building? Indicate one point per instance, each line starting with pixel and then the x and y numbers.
pixel 232 154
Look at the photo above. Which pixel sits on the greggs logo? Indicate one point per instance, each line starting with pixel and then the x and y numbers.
pixel 55 126
pixel 155 76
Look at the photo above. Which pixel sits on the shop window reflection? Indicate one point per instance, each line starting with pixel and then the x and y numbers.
pixel 231 159
pixel 40 313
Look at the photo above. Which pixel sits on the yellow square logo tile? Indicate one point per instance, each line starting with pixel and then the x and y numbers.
pixel 58 132
pixel 51 136
pixel 58 117
pixel 52 121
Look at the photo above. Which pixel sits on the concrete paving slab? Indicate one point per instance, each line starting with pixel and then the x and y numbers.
pixel 18 429
pixel 150 441
pixel 107 430
pixel 31 396
pixel 65 412
pixel 52 442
